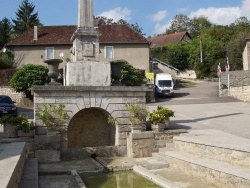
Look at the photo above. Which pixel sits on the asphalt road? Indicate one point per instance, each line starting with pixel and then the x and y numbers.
pixel 201 108
pixel 203 92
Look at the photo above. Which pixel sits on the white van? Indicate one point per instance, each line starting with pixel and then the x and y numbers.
pixel 164 85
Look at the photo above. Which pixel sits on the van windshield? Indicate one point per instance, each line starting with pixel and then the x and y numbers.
pixel 165 83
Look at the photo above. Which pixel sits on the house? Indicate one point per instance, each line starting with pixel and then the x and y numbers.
pixel 48 42
pixel 164 40
pixel 158 66
pixel 246 53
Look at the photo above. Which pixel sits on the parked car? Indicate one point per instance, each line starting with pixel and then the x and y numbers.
pixel 164 85
pixel 7 106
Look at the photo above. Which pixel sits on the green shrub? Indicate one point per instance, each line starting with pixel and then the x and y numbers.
pixel 137 113
pixel 27 76
pixel 21 123
pixel 130 75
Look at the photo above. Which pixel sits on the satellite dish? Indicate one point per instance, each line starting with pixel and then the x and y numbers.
pixel 61 55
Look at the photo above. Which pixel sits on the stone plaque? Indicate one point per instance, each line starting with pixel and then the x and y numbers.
pixel 88 49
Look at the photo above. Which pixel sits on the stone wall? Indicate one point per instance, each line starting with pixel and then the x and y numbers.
pixel 19 98
pixel 109 99
pixel 12 161
pixel 241 93
pixel 239 84
pixel 140 144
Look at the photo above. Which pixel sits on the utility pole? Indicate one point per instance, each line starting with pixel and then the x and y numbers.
pixel 201 54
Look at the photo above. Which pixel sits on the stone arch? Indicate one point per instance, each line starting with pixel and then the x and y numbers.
pixel 90 128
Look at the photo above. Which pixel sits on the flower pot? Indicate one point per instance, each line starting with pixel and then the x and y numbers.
pixel 10 130
pixel 53 65
pixel 21 133
pixel 167 122
pixel 116 73
pixel 159 127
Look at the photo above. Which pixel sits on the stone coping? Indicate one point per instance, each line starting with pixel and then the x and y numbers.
pixel 12 160
pixel 211 164
pixel 216 138
pixel 88 88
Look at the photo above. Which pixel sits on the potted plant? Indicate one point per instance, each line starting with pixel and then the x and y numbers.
pixel 137 115
pixel 160 118
pixel 25 128
pixel 12 124
pixel 116 73
pixel 53 116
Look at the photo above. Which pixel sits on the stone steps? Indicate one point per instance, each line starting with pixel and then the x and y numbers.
pixel 213 171
pixel 229 149
pixel 219 158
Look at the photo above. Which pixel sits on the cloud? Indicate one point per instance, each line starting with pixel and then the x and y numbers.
pixel 245 8
pixel 117 14
pixel 184 9
pixel 221 16
pixel 158 28
pixel 160 15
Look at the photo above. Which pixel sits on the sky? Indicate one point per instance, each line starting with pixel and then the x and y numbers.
pixel 154 16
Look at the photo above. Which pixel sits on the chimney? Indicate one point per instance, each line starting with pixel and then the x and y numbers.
pixel 35 34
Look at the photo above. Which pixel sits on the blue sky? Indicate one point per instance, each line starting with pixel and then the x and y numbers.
pixel 154 16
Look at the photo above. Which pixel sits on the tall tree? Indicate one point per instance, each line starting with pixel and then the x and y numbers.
pixel 180 23
pixel 25 18
pixel 197 24
pixel 5 31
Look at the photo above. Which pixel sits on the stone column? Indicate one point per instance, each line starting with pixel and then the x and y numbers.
pixel 85 13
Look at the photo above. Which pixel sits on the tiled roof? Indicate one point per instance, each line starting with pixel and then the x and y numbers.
pixel 164 40
pixel 59 35
pixel 120 34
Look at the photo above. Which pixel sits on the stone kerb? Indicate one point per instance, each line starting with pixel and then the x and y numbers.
pixel 77 98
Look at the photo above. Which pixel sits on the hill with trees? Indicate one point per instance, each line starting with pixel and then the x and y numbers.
pixel 217 42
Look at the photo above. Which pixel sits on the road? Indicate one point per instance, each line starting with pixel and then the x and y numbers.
pixel 199 108
pixel 202 93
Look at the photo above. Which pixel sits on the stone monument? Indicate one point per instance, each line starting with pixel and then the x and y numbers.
pixel 85 69
pixel 89 99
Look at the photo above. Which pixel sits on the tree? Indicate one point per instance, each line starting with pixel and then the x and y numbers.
pixel 180 23
pixel 108 21
pixel 7 60
pixel 177 56
pixel 25 19
pixel 197 24
pixel 5 31
pixel 27 76
pixel 102 20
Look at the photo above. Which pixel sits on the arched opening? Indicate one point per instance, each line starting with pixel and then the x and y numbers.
pixel 90 128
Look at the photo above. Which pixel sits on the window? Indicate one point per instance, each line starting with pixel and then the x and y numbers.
pixel 49 53
pixel 109 52
pixel 155 65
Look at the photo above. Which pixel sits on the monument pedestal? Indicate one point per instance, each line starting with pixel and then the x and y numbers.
pixel 88 74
